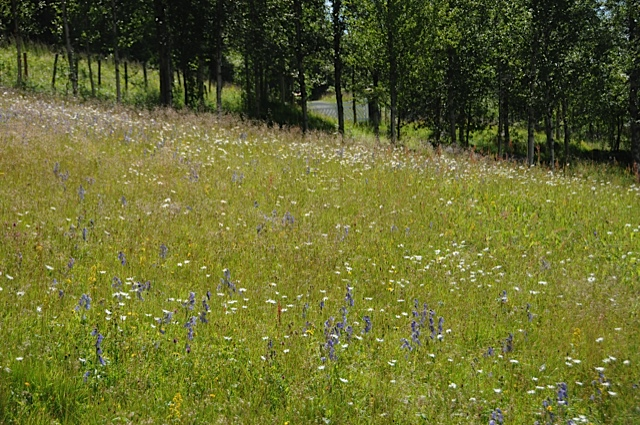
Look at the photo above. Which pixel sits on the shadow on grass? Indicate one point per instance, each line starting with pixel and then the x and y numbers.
pixel 286 115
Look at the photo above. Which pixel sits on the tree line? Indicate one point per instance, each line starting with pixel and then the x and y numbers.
pixel 567 68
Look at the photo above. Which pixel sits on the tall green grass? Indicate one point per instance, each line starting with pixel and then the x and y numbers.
pixel 534 274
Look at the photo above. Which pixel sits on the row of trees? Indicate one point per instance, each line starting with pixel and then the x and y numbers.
pixel 562 66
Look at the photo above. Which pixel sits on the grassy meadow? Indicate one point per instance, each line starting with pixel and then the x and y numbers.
pixel 162 267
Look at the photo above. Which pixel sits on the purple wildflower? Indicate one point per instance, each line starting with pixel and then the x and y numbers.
pixel 496 417
pixel 192 301
pixel 562 394
pixel 288 219
pixel 406 344
pixel 432 327
pixel 349 297
pixel 367 324
pixel 84 302
pixel 122 258
pixel 163 251
pixel 98 345
pixel 203 317
pixel 226 281
pixel 503 296
pixel 329 346
pixel 189 325
pixel 415 332
pixel 168 316
pixel 349 332
pixel 117 283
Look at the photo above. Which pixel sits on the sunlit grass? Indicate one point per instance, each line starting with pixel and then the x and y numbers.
pixel 534 274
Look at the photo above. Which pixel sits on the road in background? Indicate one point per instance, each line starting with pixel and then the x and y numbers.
pixel 330 109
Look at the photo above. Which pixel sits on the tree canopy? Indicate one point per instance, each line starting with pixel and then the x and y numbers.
pixel 565 68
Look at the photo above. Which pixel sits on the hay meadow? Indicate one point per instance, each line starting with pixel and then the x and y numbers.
pixel 162 267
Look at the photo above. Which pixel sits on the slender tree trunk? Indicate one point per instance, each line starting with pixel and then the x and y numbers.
pixel 99 72
pixel 466 139
pixel 548 125
pixel 451 107
pixel 247 81
pixel 164 53
pixel 91 82
pixel 634 80
pixel 297 10
pixel 18 37
pixel 500 111
pixel 219 46
pixel 505 121
pixel 55 70
pixel 393 67
pixel 557 123
pixel 145 75
pixel 354 104
pixel 73 75
pixel 461 128
pixel 618 132
pixel 530 134
pixel 88 53
pixel 116 52
pixel 186 78
pixel 338 30
pixel 26 65
pixel 566 130
pixel 437 114
pixel 257 70
pixel 374 106
pixel 531 116
pixel 126 76
pixel 452 119
pixel 200 79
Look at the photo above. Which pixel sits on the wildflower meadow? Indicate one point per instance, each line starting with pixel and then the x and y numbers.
pixel 163 267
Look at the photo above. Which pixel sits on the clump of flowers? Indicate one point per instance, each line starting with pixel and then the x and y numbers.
pixel 418 322
pixel 191 323
pixel 98 345
pixel 349 297
pixel 226 282
pixel 496 417
pixel 139 288
pixel 84 302
pixel 367 324
pixel 562 394
pixel 205 308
